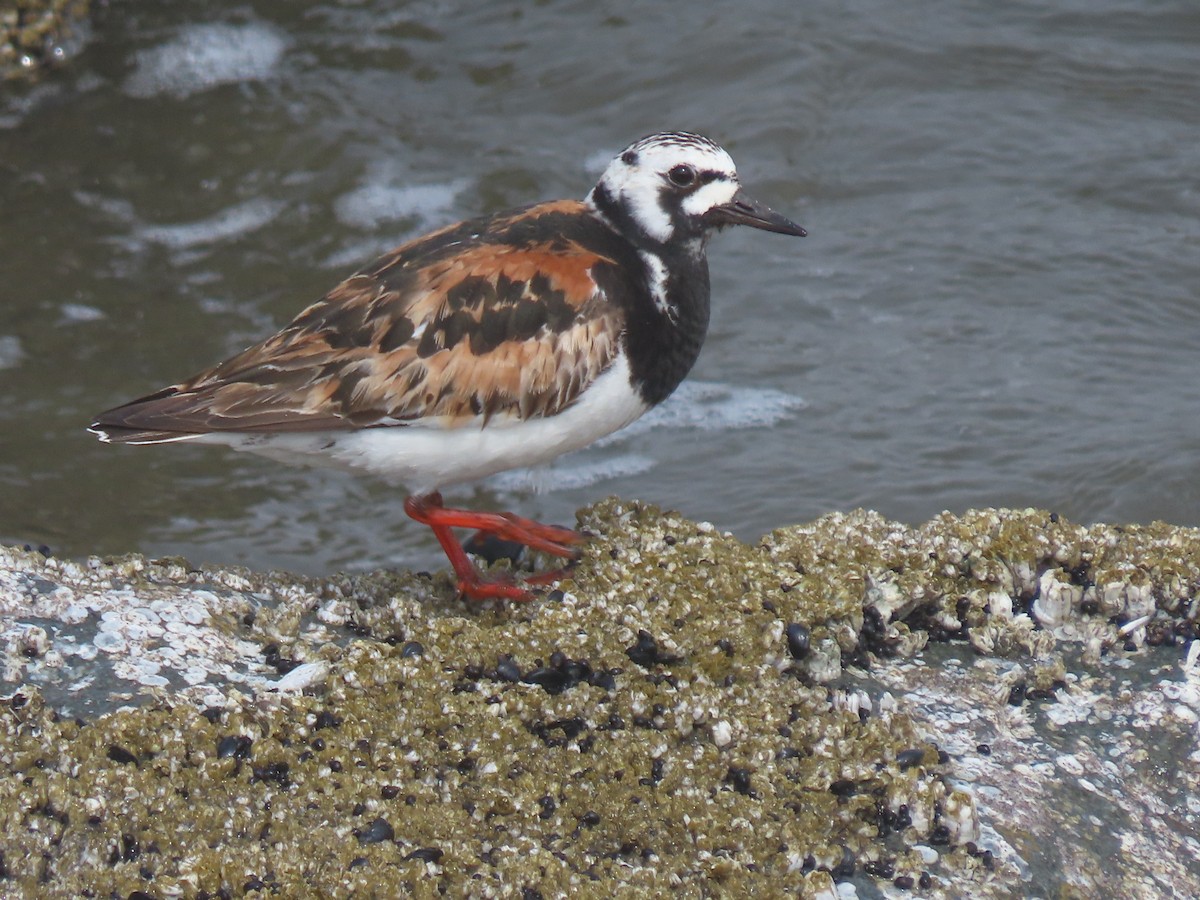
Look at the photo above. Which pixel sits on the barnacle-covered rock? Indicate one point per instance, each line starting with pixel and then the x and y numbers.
pixel 38 33
pixel 852 698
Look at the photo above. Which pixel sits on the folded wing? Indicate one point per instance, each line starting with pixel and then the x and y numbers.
pixel 485 319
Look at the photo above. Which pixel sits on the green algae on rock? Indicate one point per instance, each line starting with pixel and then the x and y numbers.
pixel 687 713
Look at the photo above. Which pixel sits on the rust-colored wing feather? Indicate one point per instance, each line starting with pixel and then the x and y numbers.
pixel 492 317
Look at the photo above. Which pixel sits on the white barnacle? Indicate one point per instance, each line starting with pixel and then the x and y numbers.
pixel 1056 598
pixel 301 677
pixel 960 817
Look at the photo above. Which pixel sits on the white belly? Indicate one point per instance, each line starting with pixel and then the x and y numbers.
pixel 426 457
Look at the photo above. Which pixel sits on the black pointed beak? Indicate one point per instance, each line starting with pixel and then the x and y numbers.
pixel 743 210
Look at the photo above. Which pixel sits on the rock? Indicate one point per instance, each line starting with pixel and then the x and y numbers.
pixel 803 715
pixel 38 33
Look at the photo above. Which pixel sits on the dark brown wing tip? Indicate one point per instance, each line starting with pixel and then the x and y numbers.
pixel 177 415
pixel 119 425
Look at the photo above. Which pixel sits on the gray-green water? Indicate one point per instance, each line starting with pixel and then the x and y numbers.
pixel 998 303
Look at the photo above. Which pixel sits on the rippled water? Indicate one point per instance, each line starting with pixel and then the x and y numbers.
pixel 998 303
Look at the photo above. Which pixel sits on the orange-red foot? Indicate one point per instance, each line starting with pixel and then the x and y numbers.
pixel 428 509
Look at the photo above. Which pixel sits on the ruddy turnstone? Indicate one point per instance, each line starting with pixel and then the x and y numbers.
pixel 496 343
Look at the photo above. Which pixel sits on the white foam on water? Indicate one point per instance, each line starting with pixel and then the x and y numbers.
pixel 711 406
pixel 204 56
pixel 114 207
pixel 381 199
pixel 228 223
pixel 597 161
pixel 384 197
pixel 81 312
pixel 231 222
pixel 695 406
pixel 11 352
pixel 577 471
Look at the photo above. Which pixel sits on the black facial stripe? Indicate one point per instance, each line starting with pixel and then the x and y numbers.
pixel 607 203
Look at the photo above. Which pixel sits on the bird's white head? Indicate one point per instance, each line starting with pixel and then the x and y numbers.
pixel 675 187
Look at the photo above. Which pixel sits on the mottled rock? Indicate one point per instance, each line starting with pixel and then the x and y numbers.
pixel 38 33
pixel 805 711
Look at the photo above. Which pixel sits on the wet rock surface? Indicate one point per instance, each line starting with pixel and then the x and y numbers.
pixel 38 33
pixel 996 703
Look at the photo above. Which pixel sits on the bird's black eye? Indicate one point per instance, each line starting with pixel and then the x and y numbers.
pixel 682 175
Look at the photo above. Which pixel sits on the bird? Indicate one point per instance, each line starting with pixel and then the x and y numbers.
pixel 498 342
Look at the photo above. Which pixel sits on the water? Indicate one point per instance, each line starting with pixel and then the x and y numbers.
pixel 997 304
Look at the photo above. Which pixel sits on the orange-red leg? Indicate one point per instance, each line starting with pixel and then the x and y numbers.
pixel 428 509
